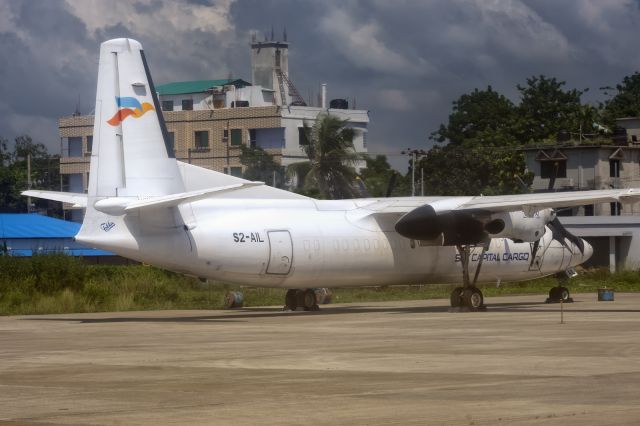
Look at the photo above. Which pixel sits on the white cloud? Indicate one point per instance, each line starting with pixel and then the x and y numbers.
pixel 152 17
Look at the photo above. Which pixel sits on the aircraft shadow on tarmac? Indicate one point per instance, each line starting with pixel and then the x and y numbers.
pixel 241 315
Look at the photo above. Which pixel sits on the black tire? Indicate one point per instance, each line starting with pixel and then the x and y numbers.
pixel 563 294
pixel 472 298
pixel 456 297
pixel 291 300
pixel 309 299
pixel 554 293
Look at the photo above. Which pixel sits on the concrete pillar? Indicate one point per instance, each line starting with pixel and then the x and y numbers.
pixel 612 254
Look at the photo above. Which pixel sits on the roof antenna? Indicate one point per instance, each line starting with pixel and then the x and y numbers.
pixel 77 112
pixel 284 33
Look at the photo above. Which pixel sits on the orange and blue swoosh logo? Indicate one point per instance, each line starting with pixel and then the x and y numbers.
pixel 128 106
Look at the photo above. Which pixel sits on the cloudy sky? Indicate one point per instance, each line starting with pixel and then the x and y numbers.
pixel 403 60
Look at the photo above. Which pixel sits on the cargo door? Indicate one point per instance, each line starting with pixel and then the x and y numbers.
pixel 280 252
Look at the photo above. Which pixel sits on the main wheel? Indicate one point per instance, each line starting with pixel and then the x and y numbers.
pixel 554 293
pixel 563 293
pixel 309 299
pixel 291 300
pixel 472 297
pixel 456 297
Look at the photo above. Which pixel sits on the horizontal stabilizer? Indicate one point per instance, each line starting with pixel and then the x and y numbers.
pixel 77 200
pixel 121 205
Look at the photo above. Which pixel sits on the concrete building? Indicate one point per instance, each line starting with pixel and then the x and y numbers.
pixel 605 163
pixel 209 120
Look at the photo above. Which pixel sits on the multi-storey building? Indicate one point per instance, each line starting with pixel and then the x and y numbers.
pixel 604 163
pixel 209 120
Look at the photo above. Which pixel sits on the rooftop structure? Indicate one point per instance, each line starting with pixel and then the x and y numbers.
pixel 29 234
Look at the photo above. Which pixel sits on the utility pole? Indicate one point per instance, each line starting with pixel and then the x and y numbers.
pixel 414 156
pixel 413 173
pixel 29 182
pixel 421 181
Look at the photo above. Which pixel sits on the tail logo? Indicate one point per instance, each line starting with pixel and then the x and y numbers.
pixel 128 106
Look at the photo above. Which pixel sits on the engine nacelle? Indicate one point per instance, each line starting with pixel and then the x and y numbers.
pixel 518 226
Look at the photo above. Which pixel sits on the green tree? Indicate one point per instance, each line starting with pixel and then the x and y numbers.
pixel 261 166
pixel 330 171
pixel 625 102
pixel 481 154
pixel 45 174
pixel 547 110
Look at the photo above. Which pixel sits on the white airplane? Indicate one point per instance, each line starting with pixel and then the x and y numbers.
pixel 145 205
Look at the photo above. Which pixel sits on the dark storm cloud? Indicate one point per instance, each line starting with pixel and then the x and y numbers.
pixel 405 61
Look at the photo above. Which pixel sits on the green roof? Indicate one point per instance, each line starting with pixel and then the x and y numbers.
pixel 197 86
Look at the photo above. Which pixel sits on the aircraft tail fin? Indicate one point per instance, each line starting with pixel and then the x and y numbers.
pixel 131 155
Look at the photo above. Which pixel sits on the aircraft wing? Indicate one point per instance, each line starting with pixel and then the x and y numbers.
pixel 503 203
pixel 464 220
pixel 78 200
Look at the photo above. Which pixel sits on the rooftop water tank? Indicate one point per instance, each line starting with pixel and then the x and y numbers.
pixel 339 104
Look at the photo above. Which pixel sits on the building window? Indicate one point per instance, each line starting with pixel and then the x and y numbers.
pixel 553 169
pixel 89 144
pixel 233 171
pixel 614 168
pixel 616 209
pixel 588 210
pixel 74 146
pixel 187 104
pixel 253 138
pixel 167 105
pixel 236 137
pixel 172 140
pixel 302 136
pixel 201 139
pixel 225 136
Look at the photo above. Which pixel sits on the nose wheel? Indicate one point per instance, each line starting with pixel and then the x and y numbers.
pixel 559 294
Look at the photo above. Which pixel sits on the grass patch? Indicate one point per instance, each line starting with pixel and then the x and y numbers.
pixel 47 284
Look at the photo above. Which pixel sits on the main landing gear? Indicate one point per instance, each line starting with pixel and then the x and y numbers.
pixel 301 298
pixel 559 294
pixel 468 297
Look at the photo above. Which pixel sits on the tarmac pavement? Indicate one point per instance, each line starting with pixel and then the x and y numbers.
pixel 366 363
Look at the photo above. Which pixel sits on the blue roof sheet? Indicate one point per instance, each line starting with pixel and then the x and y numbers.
pixel 70 252
pixel 35 226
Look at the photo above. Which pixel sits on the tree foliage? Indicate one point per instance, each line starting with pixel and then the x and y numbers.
pixel 480 156
pixel 261 166
pixel 378 175
pixel 546 110
pixel 45 174
pixel 625 102
pixel 330 170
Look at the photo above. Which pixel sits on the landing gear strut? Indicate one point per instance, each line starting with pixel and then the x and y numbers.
pixel 468 297
pixel 300 298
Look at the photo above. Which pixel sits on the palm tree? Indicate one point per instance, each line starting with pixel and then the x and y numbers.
pixel 332 158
